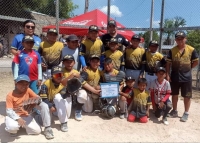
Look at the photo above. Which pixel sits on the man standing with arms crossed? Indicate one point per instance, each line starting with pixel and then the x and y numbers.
pixel 181 58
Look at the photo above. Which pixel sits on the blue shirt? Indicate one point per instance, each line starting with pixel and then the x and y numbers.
pixel 17 42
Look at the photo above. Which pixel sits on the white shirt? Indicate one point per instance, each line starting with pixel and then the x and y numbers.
pixel 74 52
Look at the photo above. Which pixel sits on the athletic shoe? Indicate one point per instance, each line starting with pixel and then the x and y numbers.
pixel 165 121
pixel 78 116
pixel 13 134
pixel 173 114
pixel 122 116
pixel 64 127
pixel 48 133
pixel 184 118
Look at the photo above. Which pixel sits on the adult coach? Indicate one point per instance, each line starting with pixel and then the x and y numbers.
pixel 16 46
pixel 50 50
pixel 112 33
pixel 181 58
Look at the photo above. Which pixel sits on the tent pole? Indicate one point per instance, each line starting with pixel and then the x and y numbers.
pixel 108 12
pixel 57 16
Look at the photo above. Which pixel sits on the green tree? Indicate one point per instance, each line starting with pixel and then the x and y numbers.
pixel 193 39
pixel 21 8
pixel 146 37
pixel 172 23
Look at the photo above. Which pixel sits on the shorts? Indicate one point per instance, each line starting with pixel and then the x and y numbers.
pixel 186 88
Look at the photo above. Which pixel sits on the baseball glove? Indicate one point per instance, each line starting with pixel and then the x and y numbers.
pixel 30 103
pixel 73 85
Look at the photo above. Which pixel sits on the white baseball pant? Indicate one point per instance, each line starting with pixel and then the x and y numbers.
pixel 31 126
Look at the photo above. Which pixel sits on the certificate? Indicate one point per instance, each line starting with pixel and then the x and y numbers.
pixel 110 89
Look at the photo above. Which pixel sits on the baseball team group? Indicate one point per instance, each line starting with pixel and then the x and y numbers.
pixel 51 77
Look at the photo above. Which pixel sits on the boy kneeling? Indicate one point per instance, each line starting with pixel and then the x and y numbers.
pixel 16 115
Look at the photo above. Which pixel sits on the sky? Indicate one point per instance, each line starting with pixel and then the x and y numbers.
pixel 136 13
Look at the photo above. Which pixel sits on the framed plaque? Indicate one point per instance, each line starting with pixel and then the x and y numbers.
pixel 109 89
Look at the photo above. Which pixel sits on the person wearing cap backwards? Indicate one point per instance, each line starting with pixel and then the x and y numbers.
pixel 115 54
pixel 92 77
pixel 28 62
pixel 91 45
pixel 50 50
pixel 151 59
pixel 133 58
pixel 70 73
pixel 16 46
pixel 17 117
pixel 72 48
pixel 160 92
pixel 112 33
pixel 51 93
pixel 181 59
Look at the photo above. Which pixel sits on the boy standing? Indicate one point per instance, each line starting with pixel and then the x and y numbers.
pixel 126 96
pixel 150 61
pixel 133 58
pixel 181 58
pixel 141 102
pixel 90 46
pixel 160 92
pixel 115 54
pixel 28 62
pixel 16 116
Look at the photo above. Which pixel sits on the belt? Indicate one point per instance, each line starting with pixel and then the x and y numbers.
pixel 149 73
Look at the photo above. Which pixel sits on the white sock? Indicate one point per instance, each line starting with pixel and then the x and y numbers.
pixel 186 113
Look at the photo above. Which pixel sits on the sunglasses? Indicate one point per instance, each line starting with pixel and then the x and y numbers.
pixel 30 27
pixel 58 75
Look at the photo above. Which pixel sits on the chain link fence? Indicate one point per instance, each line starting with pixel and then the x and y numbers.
pixel 139 16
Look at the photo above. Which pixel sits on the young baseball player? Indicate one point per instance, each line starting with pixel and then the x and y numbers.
pixel 91 76
pixel 90 46
pixel 70 73
pixel 126 96
pixel 28 62
pixel 180 61
pixel 160 92
pixel 115 54
pixel 16 115
pixel 133 58
pixel 109 74
pixel 51 93
pixel 141 102
pixel 150 61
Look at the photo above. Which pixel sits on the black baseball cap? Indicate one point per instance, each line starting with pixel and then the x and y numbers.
pixel 129 78
pixel 154 42
pixel 68 57
pixel 180 34
pixel 94 56
pixel 28 39
pixel 93 28
pixel 52 31
pixel 112 22
pixel 161 69
pixel 56 69
pixel 113 40
pixel 72 37
pixel 136 37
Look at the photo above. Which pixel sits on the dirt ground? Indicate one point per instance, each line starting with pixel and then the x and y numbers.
pixel 94 128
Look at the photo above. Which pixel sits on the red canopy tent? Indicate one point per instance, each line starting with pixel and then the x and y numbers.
pixel 79 25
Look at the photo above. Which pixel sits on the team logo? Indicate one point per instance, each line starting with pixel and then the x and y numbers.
pixel 28 60
pixel 119 40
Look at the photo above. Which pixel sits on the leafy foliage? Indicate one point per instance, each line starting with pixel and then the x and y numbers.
pixel 19 8
pixel 193 39
pixel 146 36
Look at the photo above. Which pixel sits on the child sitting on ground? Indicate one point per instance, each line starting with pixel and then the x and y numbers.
pixel 141 102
